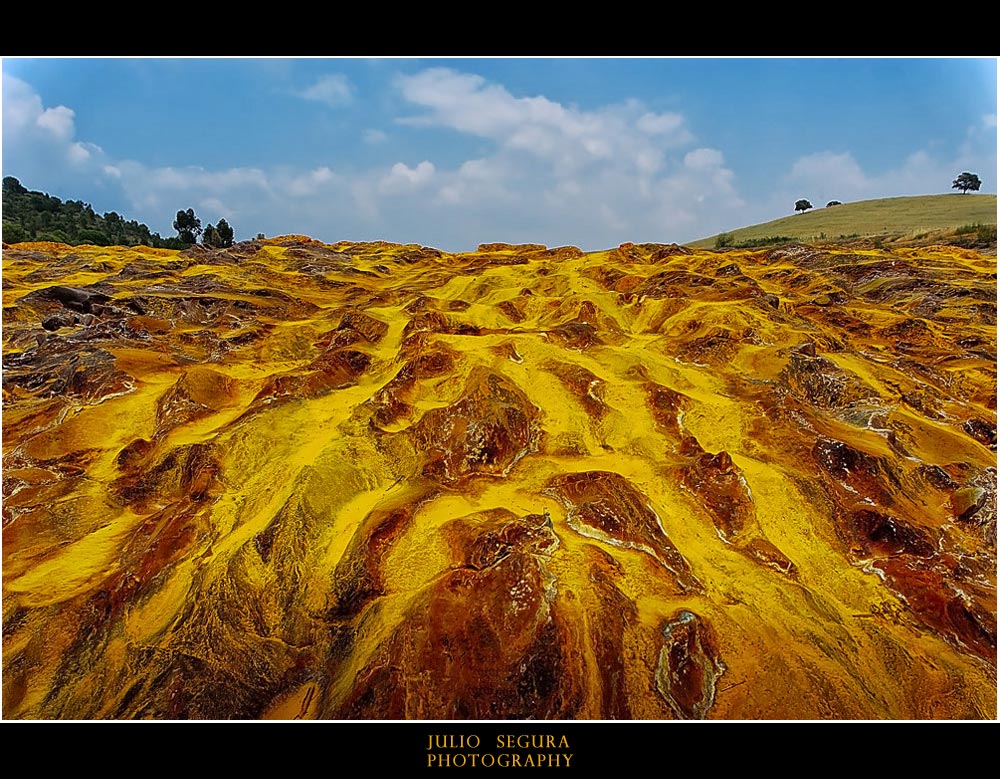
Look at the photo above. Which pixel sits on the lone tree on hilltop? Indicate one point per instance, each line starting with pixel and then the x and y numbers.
pixel 967 181
pixel 834 203
pixel 803 205
pixel 188 226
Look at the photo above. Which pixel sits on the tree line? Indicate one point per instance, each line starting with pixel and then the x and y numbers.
pixel 37 216
pixel 188 227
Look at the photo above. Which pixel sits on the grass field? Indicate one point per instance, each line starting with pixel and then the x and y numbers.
pixel 909 217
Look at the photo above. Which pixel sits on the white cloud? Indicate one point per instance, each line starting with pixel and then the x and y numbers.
pixel 39 141
pixel 830 172
pixel 309 183
pixel 566 137
pixel 703 159
pixel 464 102
pixel 374 136
pixel 333 89
pixel 195 178
pixel 21 106
pixel 402 178
pixel 648 161
pixel 661 124
pixel 485 180
pixel 78 153
pixel 558 173
pixel 212 205
pixel 26 119
pixel 58 121
pixel 990 120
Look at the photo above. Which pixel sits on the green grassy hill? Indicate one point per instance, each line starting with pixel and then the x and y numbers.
pixel 894 217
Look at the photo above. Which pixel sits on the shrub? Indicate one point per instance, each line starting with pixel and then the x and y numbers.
pixel 983 233
pixel 767 240
pixel 14 233
pixel 95 237
pixel 55 236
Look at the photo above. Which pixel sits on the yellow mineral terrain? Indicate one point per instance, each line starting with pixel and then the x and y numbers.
pixel 377 481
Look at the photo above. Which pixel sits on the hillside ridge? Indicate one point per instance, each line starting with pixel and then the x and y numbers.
pixel 912 220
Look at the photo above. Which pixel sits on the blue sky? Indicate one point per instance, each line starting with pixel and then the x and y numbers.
pixel 455 152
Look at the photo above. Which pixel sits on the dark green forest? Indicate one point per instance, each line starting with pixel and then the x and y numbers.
pixel 36 216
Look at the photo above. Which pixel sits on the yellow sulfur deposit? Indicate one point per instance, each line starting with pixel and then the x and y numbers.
pixel 367 480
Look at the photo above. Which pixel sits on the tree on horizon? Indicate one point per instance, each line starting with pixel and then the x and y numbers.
pixel 967 181
pixel 188 226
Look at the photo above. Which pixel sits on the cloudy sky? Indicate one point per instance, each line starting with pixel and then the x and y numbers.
pixel 455 152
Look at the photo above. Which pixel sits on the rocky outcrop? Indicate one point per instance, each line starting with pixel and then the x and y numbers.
pixel 297 480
